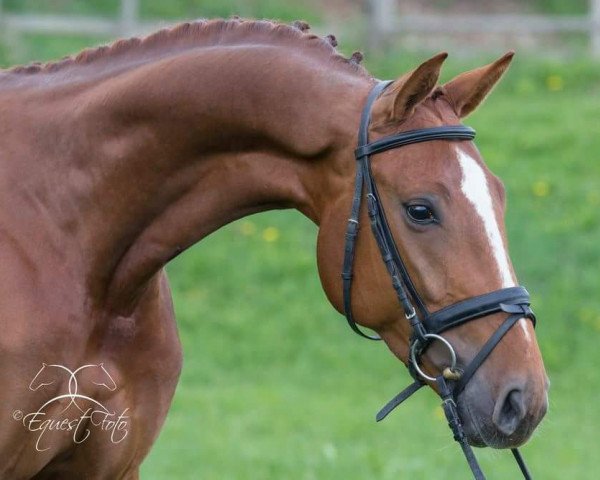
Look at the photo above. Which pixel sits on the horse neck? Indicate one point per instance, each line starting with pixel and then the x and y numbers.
pixel 170 152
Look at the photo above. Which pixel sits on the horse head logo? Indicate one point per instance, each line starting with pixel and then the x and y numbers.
pixel 97 374
pixel 42 378
pixel 102 378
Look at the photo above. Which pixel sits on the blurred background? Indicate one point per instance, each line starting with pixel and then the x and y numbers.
pixel 274 384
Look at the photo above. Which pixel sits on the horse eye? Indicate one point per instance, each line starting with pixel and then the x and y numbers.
pixel 420 214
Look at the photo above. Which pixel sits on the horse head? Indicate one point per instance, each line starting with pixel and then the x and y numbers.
pixel 444 210
pixel 43 377
pixel 102 378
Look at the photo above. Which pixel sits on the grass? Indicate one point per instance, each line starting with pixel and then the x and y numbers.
pixel 276 386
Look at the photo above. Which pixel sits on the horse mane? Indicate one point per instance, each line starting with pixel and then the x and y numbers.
pixel 204 33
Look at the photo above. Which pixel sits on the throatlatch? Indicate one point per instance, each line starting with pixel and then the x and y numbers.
pixel 426 326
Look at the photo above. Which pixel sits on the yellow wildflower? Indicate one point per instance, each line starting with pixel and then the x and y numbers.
pixel 555 83
pixel 541 188
pixel 270 234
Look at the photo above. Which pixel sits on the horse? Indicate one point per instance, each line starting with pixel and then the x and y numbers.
pixel 118 159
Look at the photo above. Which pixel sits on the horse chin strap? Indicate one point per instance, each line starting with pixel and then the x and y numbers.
pixel 426 326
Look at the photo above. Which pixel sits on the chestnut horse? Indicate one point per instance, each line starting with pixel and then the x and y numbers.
pixel 117 160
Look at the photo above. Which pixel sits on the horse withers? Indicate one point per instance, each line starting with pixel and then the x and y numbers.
pixel 116 160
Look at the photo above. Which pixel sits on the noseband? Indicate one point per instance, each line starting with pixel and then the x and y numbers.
pixel 426 326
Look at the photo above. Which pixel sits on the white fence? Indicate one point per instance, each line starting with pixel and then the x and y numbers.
pixel 127 23
pixel 385 22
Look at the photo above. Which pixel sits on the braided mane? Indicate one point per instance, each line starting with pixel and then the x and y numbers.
pixel 202 33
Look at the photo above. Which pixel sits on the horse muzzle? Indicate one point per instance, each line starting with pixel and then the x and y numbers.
pixel 504 420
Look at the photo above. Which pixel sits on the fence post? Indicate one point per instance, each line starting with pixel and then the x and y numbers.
pixel 381 22
pixel 595 28
pixel 129 21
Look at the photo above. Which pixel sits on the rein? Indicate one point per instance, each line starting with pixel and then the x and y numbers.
pixel 426 326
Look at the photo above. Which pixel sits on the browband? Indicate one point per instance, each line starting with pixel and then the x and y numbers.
pixel 445 132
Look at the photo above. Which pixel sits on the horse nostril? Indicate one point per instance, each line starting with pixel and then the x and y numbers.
pixel 509 412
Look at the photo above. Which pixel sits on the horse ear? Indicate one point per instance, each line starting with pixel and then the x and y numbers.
pixel 400 99
pixel 469 89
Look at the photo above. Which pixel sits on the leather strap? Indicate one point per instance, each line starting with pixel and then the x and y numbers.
pixel 353 221
pixel 398 399
pixel 451 413
pixel 521 463
pixel 485 352
pixel 385 233
pixel 476 307
pixel 453 132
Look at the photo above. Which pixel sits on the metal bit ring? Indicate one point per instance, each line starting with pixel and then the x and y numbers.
pixel 413 356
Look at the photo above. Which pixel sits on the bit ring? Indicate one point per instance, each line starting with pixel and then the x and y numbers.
pixel 446 343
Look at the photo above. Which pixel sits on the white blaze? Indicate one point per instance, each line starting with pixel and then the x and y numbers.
pixel 474 186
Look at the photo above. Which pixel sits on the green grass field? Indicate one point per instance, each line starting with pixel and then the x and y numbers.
pixel 275 385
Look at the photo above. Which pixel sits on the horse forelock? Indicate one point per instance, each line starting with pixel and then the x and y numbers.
pixel 201 33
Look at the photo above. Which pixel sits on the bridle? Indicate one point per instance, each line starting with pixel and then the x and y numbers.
pixel 426 326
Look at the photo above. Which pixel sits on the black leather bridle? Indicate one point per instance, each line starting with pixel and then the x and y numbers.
pixel 426 326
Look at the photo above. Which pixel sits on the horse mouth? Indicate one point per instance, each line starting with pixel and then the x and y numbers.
pixel 480 432
pixel 483 430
